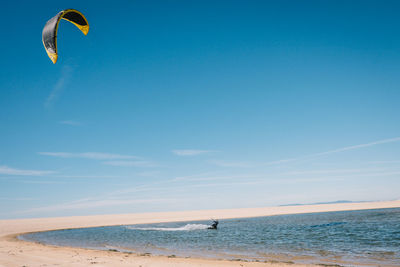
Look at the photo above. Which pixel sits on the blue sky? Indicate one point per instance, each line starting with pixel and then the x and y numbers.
pixel 182 105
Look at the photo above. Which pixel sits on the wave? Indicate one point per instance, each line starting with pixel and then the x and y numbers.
pixel 187 227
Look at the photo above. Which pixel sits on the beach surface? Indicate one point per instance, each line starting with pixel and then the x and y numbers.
pixel 15 252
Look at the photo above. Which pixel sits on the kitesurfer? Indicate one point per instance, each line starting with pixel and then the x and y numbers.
pixel 214 225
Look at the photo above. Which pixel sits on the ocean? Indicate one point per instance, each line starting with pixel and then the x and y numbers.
pixel 347 238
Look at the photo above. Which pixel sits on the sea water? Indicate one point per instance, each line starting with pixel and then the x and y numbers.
pixel 369 237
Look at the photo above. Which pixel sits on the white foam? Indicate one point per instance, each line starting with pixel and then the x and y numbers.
pixel 187 227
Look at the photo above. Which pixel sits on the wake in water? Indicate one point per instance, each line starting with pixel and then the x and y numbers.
pixel 187 227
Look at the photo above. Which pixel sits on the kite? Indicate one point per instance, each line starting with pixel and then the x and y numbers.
pixel 49 34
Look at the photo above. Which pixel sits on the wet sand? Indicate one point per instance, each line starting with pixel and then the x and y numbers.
pixel 15 252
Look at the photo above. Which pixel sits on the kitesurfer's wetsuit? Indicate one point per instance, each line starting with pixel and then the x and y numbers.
pixel 214 225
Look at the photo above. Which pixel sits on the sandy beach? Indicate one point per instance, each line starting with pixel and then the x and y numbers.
pixel 14 252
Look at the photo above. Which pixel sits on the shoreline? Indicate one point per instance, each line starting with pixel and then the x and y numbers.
pixel 17 252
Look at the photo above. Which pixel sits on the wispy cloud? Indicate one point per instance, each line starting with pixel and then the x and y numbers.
pixel 42 182
pixel 11 171
pixel 59 86
pixel 183 183
pixel 344 176
pixel 175 186
pixel 215 178
pixel 88 155
pixel 17 198
pixel 282 161
pixel 329 152
pixel 348 148
pixel 95 203
pixel 70 122
pixel 88 176
pixel 139 188
pixel 384 162
pixel 256 182
pixel 233 164
pixel 130 163
pixel 335 171
pixel 190 152
pixel 149 173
